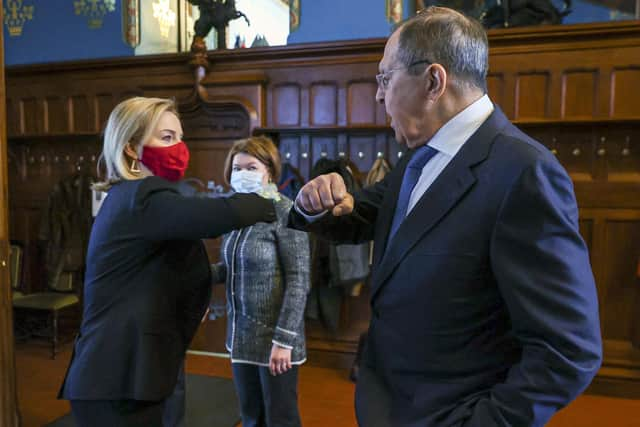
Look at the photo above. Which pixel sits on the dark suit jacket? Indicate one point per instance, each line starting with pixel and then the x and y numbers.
pixel 484 309
pixel 147 285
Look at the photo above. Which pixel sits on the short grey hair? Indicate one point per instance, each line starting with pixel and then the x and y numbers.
pixel 443 36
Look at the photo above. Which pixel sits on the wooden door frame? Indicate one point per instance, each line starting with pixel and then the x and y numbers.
pixel 8 394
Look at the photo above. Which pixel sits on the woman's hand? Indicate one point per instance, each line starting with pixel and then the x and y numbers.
pixel 280 360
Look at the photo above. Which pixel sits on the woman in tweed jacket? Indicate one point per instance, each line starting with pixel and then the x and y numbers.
pixel 266 271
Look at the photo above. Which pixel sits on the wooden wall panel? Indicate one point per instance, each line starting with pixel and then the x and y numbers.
pixel 13 118
pixel 586 230
pixel 83 115
pixel 579 92
pixel 104 103
pixel 625 91
pixel 324 104
pixel 623 155
pixel 290 150
pixel 324 146
pixel 305 161
pixel 9 411
pixel 287 105
pixel 577 153
pixel 56 115
pixel 621 294
pixel 495 87
pixel 361 103
pixel 532 95
pixel 32 116
pixel 362 151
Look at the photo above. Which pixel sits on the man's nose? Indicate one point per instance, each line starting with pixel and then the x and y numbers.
pixel 380 95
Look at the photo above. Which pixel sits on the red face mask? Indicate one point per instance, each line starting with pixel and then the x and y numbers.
pixel 166 162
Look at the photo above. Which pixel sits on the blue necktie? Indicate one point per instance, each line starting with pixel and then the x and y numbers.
pixel 409 180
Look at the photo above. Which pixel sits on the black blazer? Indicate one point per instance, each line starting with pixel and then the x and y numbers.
pixel 147 286
pixel 484 308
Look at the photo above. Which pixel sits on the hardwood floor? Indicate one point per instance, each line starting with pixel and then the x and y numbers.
pixel 326 395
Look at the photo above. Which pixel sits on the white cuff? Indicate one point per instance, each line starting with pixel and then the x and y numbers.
pixel 309 218
pixel 279 344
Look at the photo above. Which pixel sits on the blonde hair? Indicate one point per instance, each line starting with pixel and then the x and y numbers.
pixel 260 147
pixel 131 122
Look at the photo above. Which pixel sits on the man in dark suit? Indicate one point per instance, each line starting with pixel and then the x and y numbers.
pixel 484 308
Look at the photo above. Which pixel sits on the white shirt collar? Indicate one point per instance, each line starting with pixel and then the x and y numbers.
pixel 452 136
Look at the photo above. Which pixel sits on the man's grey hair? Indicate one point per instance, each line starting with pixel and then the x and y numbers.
pixel 443 36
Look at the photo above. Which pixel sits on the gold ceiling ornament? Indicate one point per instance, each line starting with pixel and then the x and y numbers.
pixel 95 10
pixel 15 15
pixel 165 15
pixel 394 11
pixel 294 15
pixel 131 22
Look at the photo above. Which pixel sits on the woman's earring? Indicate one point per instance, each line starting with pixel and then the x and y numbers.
pixel 133 168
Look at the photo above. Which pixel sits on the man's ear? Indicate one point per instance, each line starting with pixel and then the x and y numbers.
pixel 435 80
pixel 129 151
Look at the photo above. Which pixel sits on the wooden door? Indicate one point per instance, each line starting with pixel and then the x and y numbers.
pixel 8 396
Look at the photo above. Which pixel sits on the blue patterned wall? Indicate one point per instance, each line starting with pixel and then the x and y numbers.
pixel 330 20
pixel 56 33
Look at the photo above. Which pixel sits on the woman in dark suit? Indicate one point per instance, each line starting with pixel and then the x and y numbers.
pixel 147 282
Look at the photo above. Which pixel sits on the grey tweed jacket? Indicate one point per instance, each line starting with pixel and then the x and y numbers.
pixel 266 271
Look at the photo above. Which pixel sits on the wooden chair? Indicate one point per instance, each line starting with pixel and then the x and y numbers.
pixel 59 297
pixel 15 271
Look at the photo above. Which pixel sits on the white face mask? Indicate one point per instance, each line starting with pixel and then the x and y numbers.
pixel 246 181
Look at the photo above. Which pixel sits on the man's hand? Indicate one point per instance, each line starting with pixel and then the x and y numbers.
pixel 326 193
pixel 280 360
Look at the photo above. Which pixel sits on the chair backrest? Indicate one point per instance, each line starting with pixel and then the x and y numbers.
pixel 15 267
pixel 65 282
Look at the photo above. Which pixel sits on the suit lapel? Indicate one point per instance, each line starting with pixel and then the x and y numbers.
pixel 446 191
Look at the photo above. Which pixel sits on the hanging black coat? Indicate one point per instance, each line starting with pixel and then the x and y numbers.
pixel 64 228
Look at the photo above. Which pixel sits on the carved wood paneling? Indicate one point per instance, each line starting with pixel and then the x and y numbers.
pixel 56 115
pixel 324 104
pixel 13 118
pixel 576 150
pixel 622 154
pixel 579 91
pixel 362 151
pixel 290 150
pixel 586 231
pixel 31 116
pixel 8 394
pixel 323 146
pixel 621 293
pixel 495 87
pixel 361 103
pixel 82 114
pixel 625 90
pixel 305 161
pixel 104 103
pixel 287 105
pixel 532 95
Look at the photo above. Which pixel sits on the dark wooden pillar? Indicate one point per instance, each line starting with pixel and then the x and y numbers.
pixel 8 395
